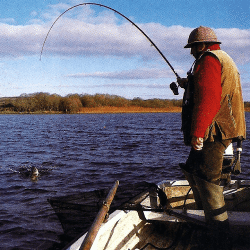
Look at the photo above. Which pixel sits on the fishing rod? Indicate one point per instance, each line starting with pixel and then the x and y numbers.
pixel 104 6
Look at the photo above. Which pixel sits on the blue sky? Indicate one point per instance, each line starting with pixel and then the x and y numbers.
pixel 92 50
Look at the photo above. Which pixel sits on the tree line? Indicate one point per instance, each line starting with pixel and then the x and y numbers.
pixel 41 102
pixel 45 102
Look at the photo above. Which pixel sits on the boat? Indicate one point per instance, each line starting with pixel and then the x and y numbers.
pixel 144 222
pixel 145 216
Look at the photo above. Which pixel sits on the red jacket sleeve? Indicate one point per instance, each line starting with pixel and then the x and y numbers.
pixel 207 95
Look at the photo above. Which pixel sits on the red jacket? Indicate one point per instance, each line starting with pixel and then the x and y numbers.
pixel 207 92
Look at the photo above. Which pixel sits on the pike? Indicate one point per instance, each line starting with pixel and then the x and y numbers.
pixel 104 6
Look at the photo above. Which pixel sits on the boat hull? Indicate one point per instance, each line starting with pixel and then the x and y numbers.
pixel 182 228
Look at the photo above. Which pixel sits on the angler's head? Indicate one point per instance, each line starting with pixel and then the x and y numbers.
pixel 199 39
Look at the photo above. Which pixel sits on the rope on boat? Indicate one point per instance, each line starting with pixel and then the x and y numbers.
pixel 186 197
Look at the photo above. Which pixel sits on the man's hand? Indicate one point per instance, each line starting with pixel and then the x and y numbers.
pixel 197 143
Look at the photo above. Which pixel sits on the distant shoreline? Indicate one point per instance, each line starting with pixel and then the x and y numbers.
pixel 111 110
pixel 133 109
pixel 105 110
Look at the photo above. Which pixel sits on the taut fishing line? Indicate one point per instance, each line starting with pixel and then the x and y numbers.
pixel 104 6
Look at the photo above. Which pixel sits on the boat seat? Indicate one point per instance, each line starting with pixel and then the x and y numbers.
pixel 235 218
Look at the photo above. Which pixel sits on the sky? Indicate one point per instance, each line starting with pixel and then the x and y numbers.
pixel 92 50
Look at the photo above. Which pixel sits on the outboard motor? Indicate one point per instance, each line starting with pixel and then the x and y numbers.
pixel 231 163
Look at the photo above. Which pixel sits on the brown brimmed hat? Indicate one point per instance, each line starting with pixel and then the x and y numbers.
pixel 202 34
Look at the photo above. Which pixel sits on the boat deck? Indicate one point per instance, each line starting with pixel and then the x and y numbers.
pixel 134 230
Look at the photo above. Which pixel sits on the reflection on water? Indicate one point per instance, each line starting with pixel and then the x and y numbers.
pixel 75 153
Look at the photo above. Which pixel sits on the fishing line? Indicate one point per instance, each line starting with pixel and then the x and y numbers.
pixel 104 6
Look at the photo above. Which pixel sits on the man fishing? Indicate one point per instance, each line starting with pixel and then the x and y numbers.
pixel 212 118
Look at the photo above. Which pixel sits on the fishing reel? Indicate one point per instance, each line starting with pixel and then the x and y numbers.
pixel 174 88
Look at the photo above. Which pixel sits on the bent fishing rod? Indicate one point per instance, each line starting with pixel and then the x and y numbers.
pixel 104 6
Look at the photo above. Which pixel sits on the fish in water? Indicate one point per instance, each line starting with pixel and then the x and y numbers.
pixel 34 173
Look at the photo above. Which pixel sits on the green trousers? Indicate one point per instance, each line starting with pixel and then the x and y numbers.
pixel 203 171
pixel 207 163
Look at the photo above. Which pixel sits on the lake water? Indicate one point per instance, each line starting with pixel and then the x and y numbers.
pixel 76 153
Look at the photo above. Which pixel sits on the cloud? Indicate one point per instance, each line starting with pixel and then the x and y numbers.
pixel 18 40
pixel 7 20
pixel 86 33
pixel 33 13
pixel 143 73
pixel 236 42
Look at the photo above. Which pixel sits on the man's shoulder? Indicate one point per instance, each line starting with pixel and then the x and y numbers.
pixel 223 57
pixel 210 56
pixel 215 53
